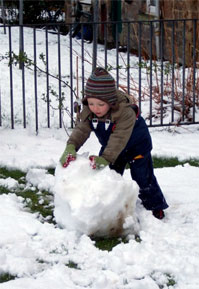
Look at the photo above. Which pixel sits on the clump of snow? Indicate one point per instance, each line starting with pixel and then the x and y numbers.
pixel 40 178
pixel 86 202
pixel 9 183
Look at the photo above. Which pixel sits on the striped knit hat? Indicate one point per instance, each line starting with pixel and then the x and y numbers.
pixel 101 85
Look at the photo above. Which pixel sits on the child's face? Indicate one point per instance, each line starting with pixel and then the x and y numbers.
pixel 98 107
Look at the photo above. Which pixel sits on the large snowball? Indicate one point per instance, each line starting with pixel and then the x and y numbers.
pixel 93 202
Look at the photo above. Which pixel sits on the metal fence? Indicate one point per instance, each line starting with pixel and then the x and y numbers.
pixel 155 62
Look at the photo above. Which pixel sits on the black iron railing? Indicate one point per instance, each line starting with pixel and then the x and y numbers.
pixel 155 62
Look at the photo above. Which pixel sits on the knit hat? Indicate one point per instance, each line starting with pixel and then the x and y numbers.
pixel 101 85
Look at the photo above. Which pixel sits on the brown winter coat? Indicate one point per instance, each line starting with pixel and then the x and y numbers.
pixel 124 119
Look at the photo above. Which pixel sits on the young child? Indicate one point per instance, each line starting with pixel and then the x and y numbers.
pixel 124 137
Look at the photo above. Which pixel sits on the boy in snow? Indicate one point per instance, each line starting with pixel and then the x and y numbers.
pixel 124 137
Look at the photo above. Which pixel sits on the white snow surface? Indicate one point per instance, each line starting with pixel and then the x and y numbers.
pixel 38 252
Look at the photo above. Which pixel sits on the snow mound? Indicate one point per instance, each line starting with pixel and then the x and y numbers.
pixel 93 202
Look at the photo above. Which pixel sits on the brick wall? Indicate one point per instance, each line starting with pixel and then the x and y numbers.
pixel 136 10
pixel 180 9
pixel 169 9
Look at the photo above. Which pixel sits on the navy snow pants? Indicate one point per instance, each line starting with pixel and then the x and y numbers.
pixel 142 172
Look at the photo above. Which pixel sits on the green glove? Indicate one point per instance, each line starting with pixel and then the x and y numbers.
pixel 68 152
pixel 98 162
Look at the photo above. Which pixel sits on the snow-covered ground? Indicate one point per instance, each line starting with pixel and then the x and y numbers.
pixel 39 253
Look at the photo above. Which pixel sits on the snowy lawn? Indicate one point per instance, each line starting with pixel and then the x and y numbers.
pixel 39 254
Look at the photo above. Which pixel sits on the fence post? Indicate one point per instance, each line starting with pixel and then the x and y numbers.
pixel 95 34
pixel 20 33
pixel 11 79
pixel 3 15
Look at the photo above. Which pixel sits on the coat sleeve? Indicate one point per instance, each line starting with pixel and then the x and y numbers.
pixel 81 132
pixel 119 138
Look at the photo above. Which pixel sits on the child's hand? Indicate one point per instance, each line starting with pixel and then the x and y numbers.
pixel 68 155
pixel 98 162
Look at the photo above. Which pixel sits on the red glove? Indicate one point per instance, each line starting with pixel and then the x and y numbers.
pixel 68 155
pixel 92 162
pixel 69 159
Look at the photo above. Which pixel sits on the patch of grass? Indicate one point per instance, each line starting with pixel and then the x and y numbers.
pixel 72 265
pixel 51 171
pixel 15 174
pixel 163 280
pixel 171 281
pixel 194 162
pixel 36 201
pixel 165 162
pixel 138 239
pixel 159 162
pixel 4 190
pixel 108 243
pixel 173 162
pixel 6 277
